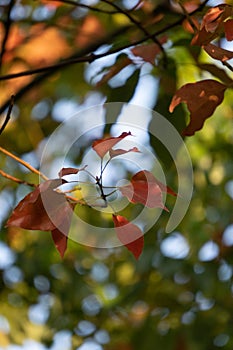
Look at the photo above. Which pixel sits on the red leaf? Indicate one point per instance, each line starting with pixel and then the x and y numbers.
pixel 218 53
pixel 144 188
pixel 149 52
pixel 213 24
pixel 102 146
pixel 60 241
pixel 46 210
pixel 118 152
pixel 129 235
pixel 30 212
pixel 121 62
pixel 202 99
pixel 228 28
pixel 69 171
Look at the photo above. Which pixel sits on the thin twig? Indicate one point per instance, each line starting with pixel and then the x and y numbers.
pixel 91 8
pixel 79 56
pixel 226 64
pixel 8 115
pixel 27 165
pixel 15 179
pixel 7 30
pixel 139 25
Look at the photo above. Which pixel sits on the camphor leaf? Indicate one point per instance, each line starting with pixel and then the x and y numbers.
pixel 202 99
pixel 118 152
pixel 144 188
pixel 46 210
pixel 102 146
pixel 129 235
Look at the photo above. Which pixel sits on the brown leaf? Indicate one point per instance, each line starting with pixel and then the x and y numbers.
pixel 69 171
pixel 202 98
pixel 213 18
pixel 129 235
pixel 30 212
pixel 102 146
pixel 120 64
pixel 118 152
pixel 144 188
pixel 60 241
pixel 149 52
pixel 46 210
pixel 213 24
pixel 228 28
pixel 218 53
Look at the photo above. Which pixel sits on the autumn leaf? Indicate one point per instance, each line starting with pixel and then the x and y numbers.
pixel 212 24
pixel 144 188
pixel 60 241
pixel 129 235
pixel 69 171
pixel 202 98
pixel 118 152
pixel 149 52
pixel 44 209
pixel 102 146
pixel 121 62
pixel 228 28
pixel 218 53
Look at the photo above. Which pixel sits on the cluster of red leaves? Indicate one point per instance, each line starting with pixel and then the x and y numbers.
pixel 203 97
pixel 48 209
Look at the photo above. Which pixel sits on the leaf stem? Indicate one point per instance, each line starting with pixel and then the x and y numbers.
pixel 27 165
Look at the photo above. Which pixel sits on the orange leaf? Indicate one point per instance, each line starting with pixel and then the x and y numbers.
pixel 149 52
pixel 218 53
pixel 202 98
pixel 129 235
pixel 144 188
pixel 228 28
pixel 118 152
pixel 102 146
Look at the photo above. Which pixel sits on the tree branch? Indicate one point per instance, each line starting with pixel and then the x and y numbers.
pixel 21 161
pixel 8 115
pixel 91 8
pixel 15 179
pixel 7 30
pixel 81 56
pixel 139 25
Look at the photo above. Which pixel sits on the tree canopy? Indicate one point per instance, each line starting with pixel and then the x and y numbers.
pixel 116 188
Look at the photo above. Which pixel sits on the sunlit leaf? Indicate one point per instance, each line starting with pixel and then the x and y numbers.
pixel 46 210
pixel 102 146
pixel 118 152
pixel 129 235
pixel 144 188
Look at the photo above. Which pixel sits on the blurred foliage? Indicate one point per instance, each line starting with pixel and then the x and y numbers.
pixel 176 299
